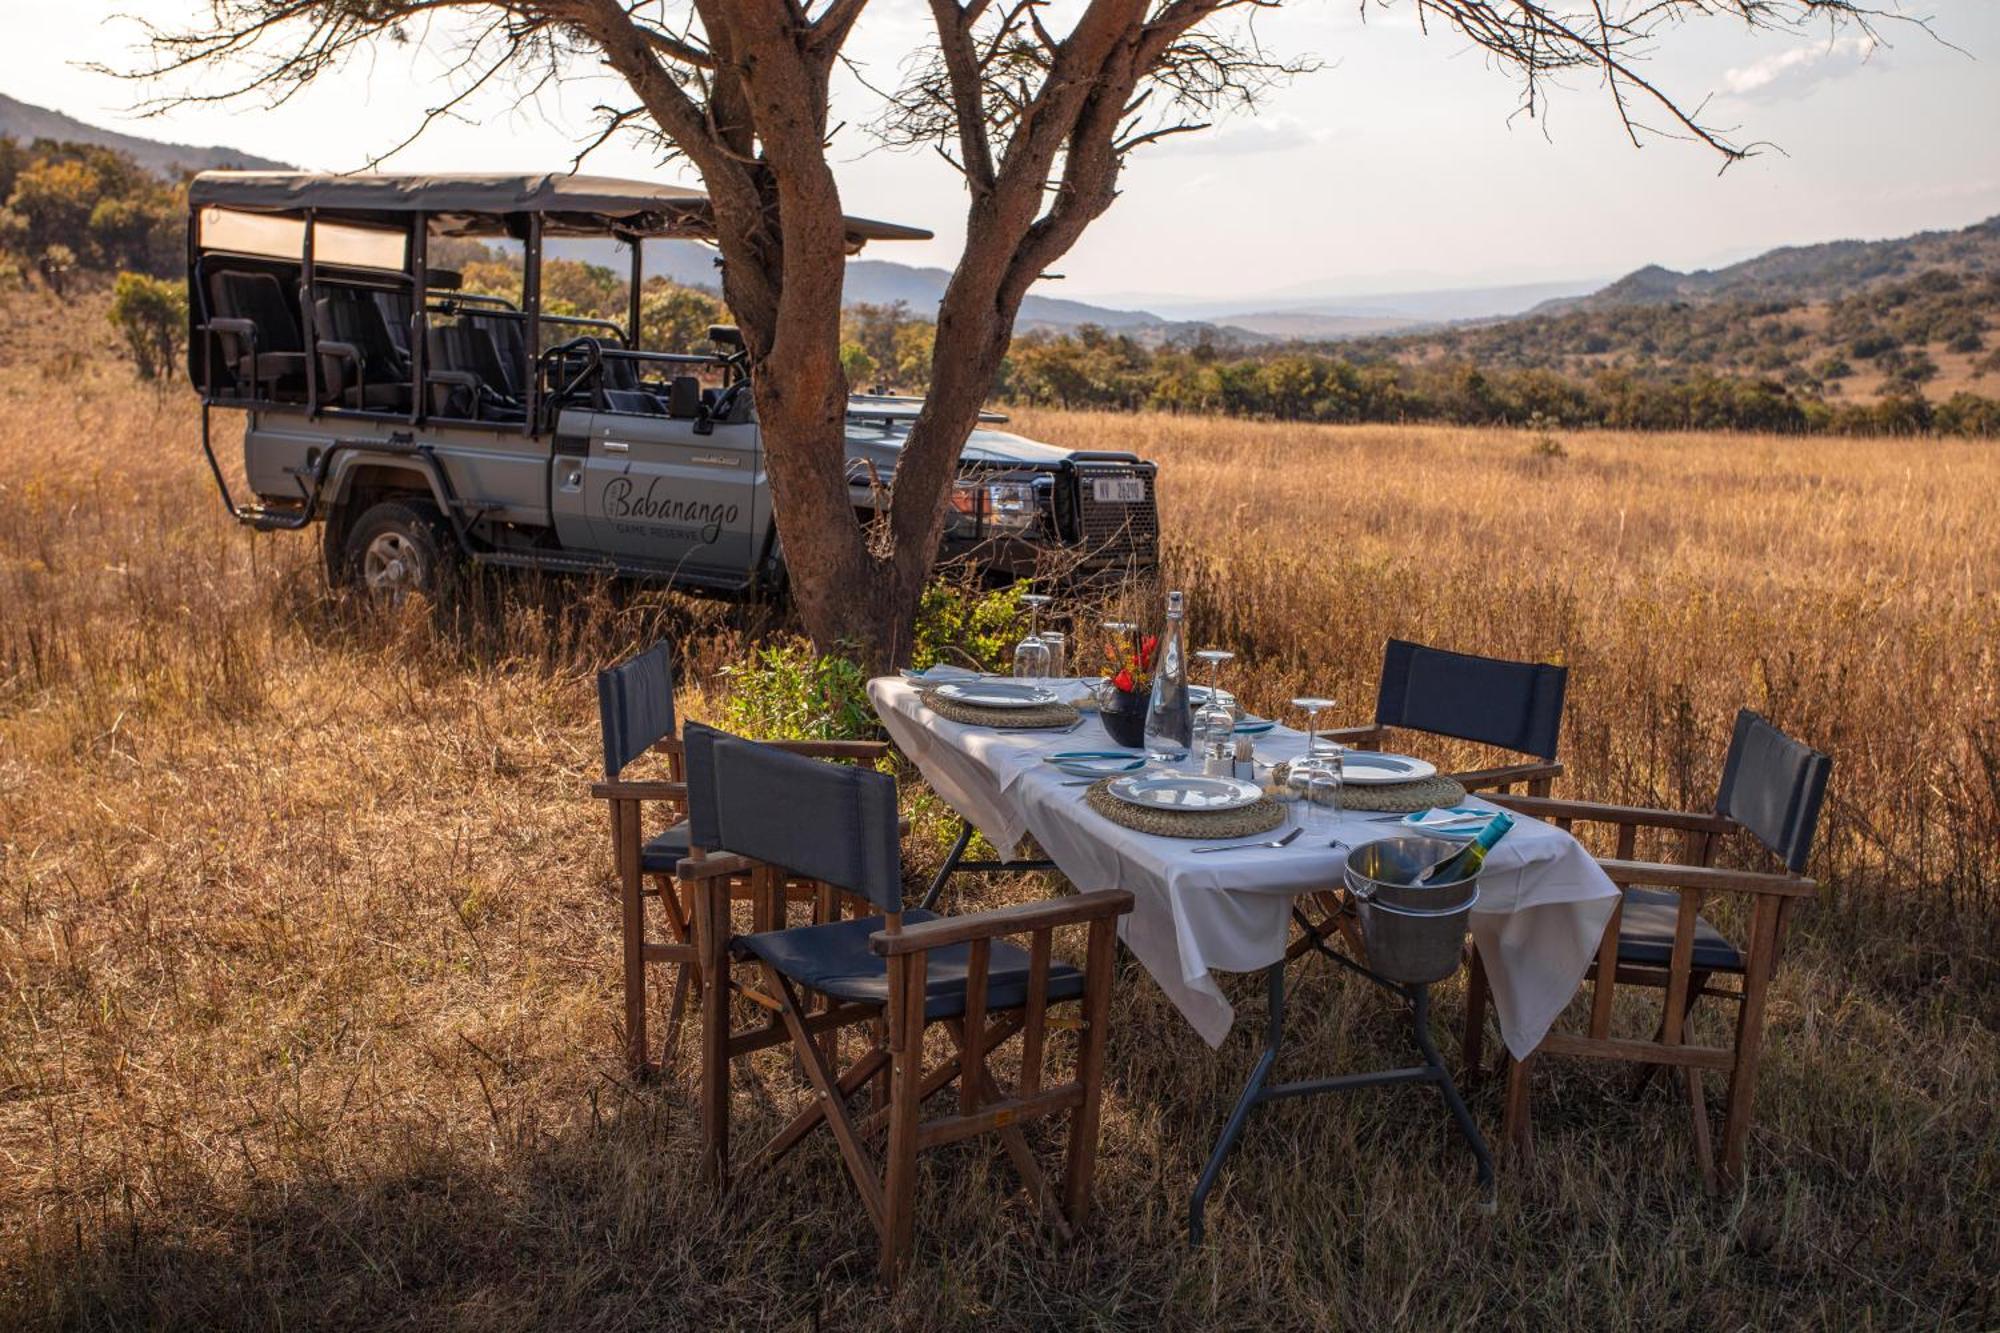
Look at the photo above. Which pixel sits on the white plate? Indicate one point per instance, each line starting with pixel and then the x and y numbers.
pixel 1365 768
pixel 996 694
pixel 1185 791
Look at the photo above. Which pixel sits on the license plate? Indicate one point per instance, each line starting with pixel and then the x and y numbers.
pixel 1118 490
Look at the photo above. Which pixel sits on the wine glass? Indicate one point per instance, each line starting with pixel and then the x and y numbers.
pixel 1031 655
pixel 1215 721
pixel 1316 776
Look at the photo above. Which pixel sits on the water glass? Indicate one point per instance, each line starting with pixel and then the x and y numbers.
pixel 1058 652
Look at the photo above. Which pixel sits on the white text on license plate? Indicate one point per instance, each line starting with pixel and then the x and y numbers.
pixel 1118 490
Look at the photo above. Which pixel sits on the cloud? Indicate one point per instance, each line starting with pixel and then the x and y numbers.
pixel 1248 133
pixel 1792 73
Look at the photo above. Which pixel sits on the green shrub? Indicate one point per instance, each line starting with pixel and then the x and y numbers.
pixel 152 314
pixel 965 625
pixel 786 692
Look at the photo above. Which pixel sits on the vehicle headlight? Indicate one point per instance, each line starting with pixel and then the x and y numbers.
pixel 998 506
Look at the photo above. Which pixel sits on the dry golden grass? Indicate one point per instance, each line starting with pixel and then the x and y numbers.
pixel 308 971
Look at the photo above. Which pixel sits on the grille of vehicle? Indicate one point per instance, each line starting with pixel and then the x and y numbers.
pixel 1126 531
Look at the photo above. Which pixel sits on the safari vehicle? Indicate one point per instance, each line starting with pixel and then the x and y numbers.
pixel 424 424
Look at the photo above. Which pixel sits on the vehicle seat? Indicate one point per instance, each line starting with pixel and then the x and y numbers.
pixel 509 340
pixel 361 368
pixel 395 308
pixel 258 299
pixel 464 375
pixel 623 391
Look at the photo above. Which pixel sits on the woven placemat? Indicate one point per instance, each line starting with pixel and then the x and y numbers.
pixel 1049 715
pixel 1395 798
pixel 1262 817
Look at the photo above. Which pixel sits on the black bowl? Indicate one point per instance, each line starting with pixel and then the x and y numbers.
pixel 1124 715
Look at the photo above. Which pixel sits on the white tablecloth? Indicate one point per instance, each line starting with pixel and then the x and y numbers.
pixel 1543 902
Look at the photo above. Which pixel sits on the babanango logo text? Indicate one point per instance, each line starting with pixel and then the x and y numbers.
pixel 623 500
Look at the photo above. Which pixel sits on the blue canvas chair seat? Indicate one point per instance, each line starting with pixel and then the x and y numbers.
pixel 664 851
pixel 836 960
pixel 1646 934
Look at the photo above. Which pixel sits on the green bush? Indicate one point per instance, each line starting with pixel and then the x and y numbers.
pixel 152 314
pixel 968 626
pixel 786 692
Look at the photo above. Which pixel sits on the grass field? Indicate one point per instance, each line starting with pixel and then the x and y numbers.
pixel 308 968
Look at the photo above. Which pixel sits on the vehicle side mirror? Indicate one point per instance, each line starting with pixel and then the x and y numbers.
pixel 726 335
pixel 684 397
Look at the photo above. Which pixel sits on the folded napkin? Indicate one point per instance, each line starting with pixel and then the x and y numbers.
pixel 1451 819
pixel 941 673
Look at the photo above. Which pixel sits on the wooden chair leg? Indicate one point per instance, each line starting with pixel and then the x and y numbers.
pixel 1476 995
pixel 712 944
pixel 1704 1152
pixel 1517 1128
pixel 906 1055
pixel 632 926
pixel 1749 1038
pixel 1081 1161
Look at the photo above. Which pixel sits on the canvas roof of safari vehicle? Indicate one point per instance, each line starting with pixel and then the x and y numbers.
pixel 475 204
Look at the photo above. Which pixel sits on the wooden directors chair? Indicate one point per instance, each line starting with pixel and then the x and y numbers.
pixel 1771 789
pixel 635 705
pixel 759 813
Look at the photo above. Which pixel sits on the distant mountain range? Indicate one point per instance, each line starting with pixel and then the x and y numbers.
pixel 25 123
pixel 1794 273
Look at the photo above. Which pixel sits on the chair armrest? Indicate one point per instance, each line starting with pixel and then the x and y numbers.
pixel 621 789
pixel 1653 874
pixel 718 865
pixel 460 379
pixel 833 749
pixel 1478 778
pixel 1549 807
pixel 1000 921
pixel 345 351
pixel 1359 736
pixel 242 328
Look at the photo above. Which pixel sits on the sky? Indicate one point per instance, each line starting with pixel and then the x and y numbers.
pixel 1399 165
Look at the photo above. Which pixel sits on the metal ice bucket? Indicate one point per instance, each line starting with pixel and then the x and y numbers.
pixel 1414 932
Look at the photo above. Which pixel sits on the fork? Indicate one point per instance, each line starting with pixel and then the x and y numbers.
pixel 1285 841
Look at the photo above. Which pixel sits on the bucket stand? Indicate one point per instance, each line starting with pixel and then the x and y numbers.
pixel 1256 1091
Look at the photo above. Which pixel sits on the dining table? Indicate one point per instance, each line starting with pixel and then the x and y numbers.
pixel 1542 908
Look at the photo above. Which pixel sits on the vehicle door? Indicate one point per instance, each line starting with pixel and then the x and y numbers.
pixel 657 490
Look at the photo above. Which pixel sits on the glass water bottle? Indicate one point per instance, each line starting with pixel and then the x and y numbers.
pixel 1169 718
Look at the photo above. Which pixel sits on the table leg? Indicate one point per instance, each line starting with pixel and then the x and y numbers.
pixel 1246 1101
pixel 955 861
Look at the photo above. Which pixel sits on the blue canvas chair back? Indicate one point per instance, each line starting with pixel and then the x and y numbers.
pixel 1514 705
pixel 1773 786
pixel 635 706
pixel 819 820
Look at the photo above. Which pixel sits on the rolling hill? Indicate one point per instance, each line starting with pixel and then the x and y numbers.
pixel 26 123
pixel 1794 273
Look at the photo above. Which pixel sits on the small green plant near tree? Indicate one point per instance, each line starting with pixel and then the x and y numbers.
pixel 963 624
pixel 152 314
pixel 788 692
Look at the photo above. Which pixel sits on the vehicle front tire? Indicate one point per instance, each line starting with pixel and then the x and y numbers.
pixel 396 548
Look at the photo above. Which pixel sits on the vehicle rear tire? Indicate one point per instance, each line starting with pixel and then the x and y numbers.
pixel 399 547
